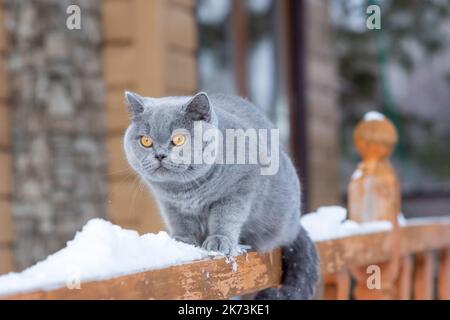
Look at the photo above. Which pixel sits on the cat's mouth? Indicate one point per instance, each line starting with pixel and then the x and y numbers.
pixel 172 166
pixel 151 167
pixel 163 167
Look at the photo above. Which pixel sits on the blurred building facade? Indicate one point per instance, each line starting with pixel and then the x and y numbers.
pixel 62 112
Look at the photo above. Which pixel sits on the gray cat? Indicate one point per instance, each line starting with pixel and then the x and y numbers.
pixel 218 206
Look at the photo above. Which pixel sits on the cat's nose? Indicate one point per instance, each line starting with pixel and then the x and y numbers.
pixel 160 156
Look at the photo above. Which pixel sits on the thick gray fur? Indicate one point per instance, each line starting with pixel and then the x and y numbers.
pixel 219 206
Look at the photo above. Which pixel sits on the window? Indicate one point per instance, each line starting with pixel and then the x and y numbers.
pixel 243 51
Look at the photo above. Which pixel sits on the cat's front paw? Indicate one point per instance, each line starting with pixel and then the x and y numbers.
pixel 187 239
pixel 219 243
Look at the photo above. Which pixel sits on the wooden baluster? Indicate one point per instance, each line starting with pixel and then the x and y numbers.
pixel 374 194
pixel 343 283
pixel 329 287
pixel 400 290
pixel 444 276
pixel 404 281
pixel 337 286
pixel 424 276
pixel 387 290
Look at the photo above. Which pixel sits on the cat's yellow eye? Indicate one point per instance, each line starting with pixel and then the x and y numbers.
pixel 146 141
pixel 179 139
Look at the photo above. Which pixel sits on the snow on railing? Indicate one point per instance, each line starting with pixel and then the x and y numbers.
pixel 107 262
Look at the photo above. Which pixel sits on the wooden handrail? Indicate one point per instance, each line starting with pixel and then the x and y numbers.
pixel 205 279
pixel 222 279
pixel 372 248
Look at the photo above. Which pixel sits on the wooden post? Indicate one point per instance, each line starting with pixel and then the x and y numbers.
pixel 374 191
pixel 149 47
pixel 240 34
pixel 374 194
pixel 7 230
pixel 444 276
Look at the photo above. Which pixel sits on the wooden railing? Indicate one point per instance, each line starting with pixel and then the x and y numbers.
pixel 403 263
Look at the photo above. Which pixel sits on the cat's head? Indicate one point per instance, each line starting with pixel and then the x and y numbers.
pixel 161 129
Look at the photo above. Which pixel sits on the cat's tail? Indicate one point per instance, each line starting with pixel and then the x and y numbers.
pixel 301 271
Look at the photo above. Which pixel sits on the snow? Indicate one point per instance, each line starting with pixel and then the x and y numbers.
pixel 102 250
pixel 357 174
pixel 234 263
pixel 373 116
pixel 330 223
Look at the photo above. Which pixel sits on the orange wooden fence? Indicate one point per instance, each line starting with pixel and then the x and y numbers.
pixel 412 260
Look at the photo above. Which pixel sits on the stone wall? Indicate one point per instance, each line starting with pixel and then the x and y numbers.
pixel 57 102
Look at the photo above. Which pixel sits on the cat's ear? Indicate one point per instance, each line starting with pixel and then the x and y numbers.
pixel 199 107
pixel 135 103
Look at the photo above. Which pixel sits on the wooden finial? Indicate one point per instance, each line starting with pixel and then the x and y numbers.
pixel 375 138
pixel 374 191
